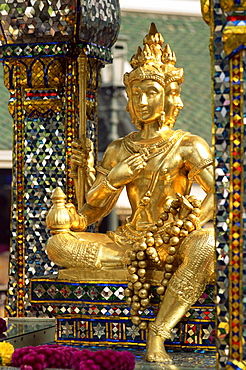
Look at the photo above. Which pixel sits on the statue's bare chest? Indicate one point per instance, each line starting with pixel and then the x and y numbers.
pixel 164 156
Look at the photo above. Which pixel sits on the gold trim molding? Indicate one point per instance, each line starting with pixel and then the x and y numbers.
pixel 240 365
pixel 229 5
pixel 206 11
pixel 233 37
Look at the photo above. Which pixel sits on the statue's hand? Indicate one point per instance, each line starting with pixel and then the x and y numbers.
pixel 80 155
pixel 127 170
pixel 78 221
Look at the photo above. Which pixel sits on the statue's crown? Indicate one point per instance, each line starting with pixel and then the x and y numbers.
pixel 154 62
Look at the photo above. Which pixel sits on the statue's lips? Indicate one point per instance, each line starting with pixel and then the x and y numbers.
pixel 142 112
pixel 176 112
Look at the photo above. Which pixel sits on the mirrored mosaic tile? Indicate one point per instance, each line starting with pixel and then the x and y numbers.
pixel 61 49
pixel 29 22
pixel 122 331
pixel 100 292
pixel 221 130
pixel 100 21
pixel 244 221
pixel 228 172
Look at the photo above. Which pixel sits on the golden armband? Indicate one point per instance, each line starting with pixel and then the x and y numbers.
pixel 102 194
pixel 108 186
pixel 105 181
pixel 102 170
pixel 160 330
pixel 199 167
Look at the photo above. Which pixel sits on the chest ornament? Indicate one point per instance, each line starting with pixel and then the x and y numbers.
pixel 151 150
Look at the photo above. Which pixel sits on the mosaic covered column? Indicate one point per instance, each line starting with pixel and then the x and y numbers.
pixel 227 19
pixel 41 44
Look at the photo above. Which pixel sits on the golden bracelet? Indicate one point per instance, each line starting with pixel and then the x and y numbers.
pixel 109 186
pixel 102 170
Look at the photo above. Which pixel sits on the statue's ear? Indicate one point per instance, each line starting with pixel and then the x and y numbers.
pixel 126 80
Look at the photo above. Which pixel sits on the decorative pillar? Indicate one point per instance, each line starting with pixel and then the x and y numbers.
pixel 41 43
pixel 227 19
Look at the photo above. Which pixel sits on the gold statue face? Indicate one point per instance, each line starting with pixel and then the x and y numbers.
pixel 156 64
pixel 147 99
pixel 173 103
pixel 149 102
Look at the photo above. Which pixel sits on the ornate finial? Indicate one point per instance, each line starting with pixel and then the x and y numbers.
pixel 153 62
pixel 168 56
pixel 58 219
pixel 153 37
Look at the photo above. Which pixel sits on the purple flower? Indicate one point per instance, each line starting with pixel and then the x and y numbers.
pixel 3 326
pixel 41 357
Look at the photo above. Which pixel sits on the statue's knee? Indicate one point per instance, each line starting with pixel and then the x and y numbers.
pixel 67 250
pixel 198 250
pixel 53 250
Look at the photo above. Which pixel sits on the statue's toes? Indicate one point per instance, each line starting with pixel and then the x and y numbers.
pixel 150 358
pixel 160 356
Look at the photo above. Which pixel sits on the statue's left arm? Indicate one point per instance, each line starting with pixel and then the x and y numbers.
pixel 113 174
pixel 198 158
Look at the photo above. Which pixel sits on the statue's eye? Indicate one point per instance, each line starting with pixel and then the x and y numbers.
pixel 151 93
pixel 174 92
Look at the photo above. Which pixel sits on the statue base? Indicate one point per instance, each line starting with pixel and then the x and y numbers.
pixel 91 310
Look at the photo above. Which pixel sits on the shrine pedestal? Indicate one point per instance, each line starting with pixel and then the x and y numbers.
pixel 90 310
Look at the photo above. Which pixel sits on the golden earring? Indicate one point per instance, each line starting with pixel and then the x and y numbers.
pixel 162 119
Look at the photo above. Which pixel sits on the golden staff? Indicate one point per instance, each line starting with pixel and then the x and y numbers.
pixel 82 64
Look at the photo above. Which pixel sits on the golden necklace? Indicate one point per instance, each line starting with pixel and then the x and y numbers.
pixel 154 148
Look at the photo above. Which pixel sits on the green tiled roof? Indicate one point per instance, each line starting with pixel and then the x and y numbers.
pixel 5 118
pixel 189 39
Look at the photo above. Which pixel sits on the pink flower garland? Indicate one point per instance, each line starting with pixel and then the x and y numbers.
pixel 57 356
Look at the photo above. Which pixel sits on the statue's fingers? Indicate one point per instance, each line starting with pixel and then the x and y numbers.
pixel 76 164
pixel 76 143
pixel 75 160
pixel 139 156
pixel 138 166
pixel 132 158
pixel 76 155
pixel 137 160
pixel 71 207
pixel 77 152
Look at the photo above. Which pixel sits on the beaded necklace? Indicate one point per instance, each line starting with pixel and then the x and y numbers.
pixel 154 149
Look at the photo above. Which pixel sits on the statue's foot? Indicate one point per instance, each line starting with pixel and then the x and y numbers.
pixel 155 350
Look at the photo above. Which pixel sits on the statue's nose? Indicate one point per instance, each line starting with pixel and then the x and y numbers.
pixel 179 103
pixel 143 100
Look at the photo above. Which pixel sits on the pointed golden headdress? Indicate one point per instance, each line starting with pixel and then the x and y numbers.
pixel 154 63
